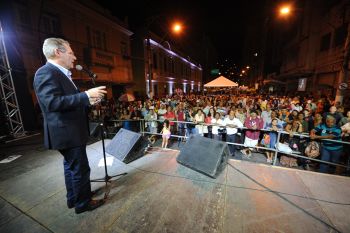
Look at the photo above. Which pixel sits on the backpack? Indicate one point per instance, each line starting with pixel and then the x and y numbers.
pixel 312 150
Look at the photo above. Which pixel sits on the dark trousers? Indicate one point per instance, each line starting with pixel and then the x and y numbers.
pixel 217 137
pixel 77 176
pixel 329 156
pixel 231 138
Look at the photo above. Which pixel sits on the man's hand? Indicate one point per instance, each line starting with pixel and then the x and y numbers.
pixel 97 92
pixel 94 101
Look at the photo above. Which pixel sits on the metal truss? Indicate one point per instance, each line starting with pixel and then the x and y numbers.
pixel 8 93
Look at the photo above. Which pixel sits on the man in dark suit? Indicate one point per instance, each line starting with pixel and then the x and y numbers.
pixel 65 120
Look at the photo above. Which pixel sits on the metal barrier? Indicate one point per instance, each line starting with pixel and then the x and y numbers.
pixel 140 129
pixel 279 133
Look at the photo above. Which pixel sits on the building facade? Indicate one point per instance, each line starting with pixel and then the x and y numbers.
pixel 100 42
pixel 304 52
pixel 312 60
pixel 161 64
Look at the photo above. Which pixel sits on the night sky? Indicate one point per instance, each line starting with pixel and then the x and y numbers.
pixel 223 23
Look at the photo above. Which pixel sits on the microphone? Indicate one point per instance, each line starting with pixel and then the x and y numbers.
pixel 92 75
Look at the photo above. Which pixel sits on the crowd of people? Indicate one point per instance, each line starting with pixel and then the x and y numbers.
pixel 243 119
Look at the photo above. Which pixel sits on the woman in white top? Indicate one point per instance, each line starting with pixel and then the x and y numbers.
pixel 199 120
pixel 217 122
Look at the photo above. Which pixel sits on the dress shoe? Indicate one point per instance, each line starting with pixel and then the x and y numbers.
pixel 70 205
pixel 93 204
pixel 93 193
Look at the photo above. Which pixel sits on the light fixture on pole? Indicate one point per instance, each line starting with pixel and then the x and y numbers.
pixel 149 67
pixel 284 11
pixel 177 29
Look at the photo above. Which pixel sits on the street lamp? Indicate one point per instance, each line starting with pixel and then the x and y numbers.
pixel 285 10
pixel 176 28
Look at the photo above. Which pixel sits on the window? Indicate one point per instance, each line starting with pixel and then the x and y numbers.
pixel 155 60
pixel 98 39
pixel 172 66
pixel 124 50
pixel 165 64
pixel 24 16
pixel 161 61
pixel 340 35
pixel 50 24
pixel 325 42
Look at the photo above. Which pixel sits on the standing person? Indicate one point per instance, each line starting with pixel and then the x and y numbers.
pixel 160 113
pixel 190 127
pixel 151 120
pixel 165 133
pixel 266 115
pixel 309 119
pixel 303 122
pixel 199 120
pixel 125 115
pixel 170 115
pixel 135 116
pixel 217 122
pixel 252 136
pixel 330 151
pixel 65 120
pixel 345 119
pixel 231 123
pixel 273 127
pixel 317 120
pixel 181 116
pixel 208 120
pixel 332 112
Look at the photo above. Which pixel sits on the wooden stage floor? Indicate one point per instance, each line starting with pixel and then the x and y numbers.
pixel 160 195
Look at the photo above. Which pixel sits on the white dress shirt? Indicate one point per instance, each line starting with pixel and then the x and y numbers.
pixel 234 121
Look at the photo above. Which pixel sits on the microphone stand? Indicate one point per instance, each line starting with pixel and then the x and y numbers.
pixel 106 179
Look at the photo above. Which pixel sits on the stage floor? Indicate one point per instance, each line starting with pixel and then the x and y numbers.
pixel 160 195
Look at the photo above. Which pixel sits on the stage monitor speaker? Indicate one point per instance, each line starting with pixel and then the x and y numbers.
pixel 127 145
pixel 204 155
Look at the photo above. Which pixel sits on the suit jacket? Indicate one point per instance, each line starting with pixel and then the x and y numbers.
pixel 63 108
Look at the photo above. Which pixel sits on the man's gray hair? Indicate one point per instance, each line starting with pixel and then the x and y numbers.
pixel 330 117
pixel 51 44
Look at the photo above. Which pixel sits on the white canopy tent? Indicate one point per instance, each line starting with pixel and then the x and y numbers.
pixel 221 82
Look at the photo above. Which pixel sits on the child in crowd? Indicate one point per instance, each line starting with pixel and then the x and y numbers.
pixel 165 133
pixel 272 136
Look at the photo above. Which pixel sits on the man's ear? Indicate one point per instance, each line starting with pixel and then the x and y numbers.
pixel 57 53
